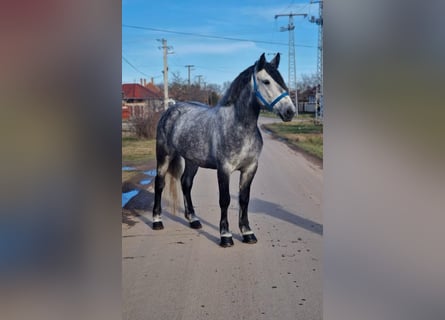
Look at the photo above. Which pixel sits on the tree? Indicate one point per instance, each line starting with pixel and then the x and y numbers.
pixel 181 91
pixel 308 81
pixel 177 89
pixel 225 86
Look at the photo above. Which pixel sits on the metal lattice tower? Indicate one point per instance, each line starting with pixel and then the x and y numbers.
pixel 319 22
pixel 292 83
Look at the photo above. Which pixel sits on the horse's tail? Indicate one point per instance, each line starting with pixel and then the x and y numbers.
pixel 175 170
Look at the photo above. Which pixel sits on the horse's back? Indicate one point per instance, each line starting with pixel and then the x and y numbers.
pixel 183 113
pixel 195 103
pixel 186 129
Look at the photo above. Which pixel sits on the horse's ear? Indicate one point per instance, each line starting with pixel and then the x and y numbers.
pixel 261 62
pixel 276 61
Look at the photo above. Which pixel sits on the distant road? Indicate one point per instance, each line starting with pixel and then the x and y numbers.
pixel 181 273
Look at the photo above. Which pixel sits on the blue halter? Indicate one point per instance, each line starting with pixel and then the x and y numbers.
pixel 264 101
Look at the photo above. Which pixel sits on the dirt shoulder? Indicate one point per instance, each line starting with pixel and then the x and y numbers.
pixel 313 159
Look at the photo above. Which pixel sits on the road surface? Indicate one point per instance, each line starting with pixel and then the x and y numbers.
pixel 181 273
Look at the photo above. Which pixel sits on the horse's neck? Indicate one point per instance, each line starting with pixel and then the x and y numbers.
pixel 247 108
pixel 240 96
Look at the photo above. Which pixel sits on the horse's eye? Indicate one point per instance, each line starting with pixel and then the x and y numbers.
pixel 266 82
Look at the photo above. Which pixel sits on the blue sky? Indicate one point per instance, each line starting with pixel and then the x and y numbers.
pixel 217 60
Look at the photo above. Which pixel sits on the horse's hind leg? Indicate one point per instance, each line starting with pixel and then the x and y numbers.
pixel 186 184
pixel 163 162
pixel 244 196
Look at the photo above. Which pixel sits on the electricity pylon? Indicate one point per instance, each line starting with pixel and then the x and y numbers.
pixel 319 21
pixel 292 83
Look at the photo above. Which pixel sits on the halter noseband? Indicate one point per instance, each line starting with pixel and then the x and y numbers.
pixel 264 101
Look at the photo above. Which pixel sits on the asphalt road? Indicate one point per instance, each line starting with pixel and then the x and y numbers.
pixel 181 273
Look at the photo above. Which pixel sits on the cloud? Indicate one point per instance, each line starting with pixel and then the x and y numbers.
pixel 208 48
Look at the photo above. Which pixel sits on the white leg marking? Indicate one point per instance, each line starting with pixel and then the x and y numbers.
pixel 157 219
pixel 226 234
pixel 192 218
pixel 245 233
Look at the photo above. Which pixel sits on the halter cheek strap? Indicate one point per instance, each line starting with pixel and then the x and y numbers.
pixel 264 101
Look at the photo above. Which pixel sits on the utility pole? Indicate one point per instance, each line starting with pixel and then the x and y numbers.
pixel 206 94
pixel 199 92
pixel 292 83
pixel 189 66
pixel 166 51
pixel 319 21
pixel 199 76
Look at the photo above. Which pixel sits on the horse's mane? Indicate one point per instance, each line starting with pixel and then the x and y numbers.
pixel 237 85
pixel 233 93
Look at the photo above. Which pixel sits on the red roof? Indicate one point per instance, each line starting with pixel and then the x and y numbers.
pixel 137 91
pixel 153 88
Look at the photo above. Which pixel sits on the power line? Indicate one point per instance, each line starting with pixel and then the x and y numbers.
pixel 211 36
pixel 220 69
pixel 136 69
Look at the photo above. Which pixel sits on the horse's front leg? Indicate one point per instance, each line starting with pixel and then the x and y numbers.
pixel 187 183
pixel 224 201
pixel 244 196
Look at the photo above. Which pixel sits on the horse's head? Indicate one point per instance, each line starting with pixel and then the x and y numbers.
pixel 270 89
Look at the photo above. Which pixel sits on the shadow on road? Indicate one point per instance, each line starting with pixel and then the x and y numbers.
pixel 277 211
pixel 144 201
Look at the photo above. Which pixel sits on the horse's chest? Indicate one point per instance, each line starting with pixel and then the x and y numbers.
pixel 241 152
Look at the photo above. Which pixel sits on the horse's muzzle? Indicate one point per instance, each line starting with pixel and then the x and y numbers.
pixel 287 114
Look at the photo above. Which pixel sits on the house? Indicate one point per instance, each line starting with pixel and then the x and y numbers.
pixel 307 101
pixel 138 101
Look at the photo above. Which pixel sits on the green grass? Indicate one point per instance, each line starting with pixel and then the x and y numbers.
pixel 305 134
pixel 296 127
pixel 305 116
pixel 137 151
pixel 313 145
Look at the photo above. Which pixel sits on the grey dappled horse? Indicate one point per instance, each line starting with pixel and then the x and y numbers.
pixel 226 138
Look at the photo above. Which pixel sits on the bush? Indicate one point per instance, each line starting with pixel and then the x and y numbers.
pixel 145 126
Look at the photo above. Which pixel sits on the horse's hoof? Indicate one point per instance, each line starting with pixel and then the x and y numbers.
pixel 249 238
pixel 158 225
pixel 226 242
pixel 195 224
